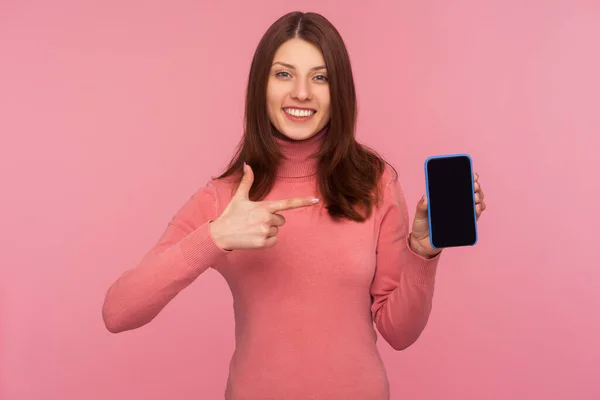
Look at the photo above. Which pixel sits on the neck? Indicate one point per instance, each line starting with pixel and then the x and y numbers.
pixel 298 155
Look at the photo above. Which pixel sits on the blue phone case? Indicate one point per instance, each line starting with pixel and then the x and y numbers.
pixel 472 188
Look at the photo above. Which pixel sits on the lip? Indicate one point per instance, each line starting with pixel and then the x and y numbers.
pixel 298 119
pixel 300 108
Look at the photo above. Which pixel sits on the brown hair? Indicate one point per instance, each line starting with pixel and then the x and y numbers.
pixel 348 172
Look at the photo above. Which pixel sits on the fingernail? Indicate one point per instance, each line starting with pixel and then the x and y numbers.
pixel 315 201
pixel 422 198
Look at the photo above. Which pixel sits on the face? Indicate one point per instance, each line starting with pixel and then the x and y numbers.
pixel 298 90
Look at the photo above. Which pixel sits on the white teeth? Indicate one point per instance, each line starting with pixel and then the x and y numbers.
pixel 299 113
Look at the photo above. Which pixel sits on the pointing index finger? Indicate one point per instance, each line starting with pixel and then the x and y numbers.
pixel 289 204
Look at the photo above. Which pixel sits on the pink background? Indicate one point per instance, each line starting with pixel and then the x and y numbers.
pixel 112 114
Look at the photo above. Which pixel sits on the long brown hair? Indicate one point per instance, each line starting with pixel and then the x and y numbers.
pixel 348 172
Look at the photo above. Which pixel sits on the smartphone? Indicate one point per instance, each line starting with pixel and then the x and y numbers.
pixel 450 188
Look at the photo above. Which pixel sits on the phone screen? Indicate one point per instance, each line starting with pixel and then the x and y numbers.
pixel 451 201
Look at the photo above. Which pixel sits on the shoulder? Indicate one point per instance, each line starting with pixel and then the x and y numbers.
pixel 206 202
pixel 391 194
pixel 389 180
pixel 222 190
pixel 209 195
pixel 389 175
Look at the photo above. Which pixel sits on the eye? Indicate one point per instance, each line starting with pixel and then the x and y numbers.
pixel 282 74
pixel 322 78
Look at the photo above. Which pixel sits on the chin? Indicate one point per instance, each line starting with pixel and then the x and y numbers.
pixel 299 133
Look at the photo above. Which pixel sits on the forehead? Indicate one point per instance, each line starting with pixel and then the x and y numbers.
pixel 299 53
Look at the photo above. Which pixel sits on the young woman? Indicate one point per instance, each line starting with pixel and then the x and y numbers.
pixel 309 228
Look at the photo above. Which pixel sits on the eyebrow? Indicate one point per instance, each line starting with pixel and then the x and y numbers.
pixel 292 67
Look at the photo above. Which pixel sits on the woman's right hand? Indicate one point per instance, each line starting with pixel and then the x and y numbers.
pixel 246 224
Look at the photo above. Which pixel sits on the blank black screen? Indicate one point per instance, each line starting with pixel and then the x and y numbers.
pixel 451 201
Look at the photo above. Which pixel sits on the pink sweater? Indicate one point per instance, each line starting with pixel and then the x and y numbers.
pixel 306 309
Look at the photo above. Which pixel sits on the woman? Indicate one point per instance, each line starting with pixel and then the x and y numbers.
pixel 309 229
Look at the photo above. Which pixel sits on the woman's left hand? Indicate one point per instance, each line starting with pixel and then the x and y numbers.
pixel 419 237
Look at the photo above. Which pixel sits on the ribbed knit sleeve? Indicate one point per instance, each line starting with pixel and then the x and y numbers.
pixel 184 251
pixel 403 285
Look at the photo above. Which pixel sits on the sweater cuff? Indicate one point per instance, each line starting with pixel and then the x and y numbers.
pixel 419 269
pixel 199 248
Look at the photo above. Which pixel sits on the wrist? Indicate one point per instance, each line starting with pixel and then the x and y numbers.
pixel 420 251
pixel 215 232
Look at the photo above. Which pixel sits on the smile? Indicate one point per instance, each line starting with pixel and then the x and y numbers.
pixel 299 113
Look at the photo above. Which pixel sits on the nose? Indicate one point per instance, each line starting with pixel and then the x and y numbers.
pixel 301 90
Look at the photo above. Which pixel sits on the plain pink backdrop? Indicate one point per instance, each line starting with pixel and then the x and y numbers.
pixel 113 113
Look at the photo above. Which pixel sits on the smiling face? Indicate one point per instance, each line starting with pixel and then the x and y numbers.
pixel 298 91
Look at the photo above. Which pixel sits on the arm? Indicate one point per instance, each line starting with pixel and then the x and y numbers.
pixel 403 285
pixel 184 251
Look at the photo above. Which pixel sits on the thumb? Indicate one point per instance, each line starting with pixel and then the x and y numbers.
pixel 421 212
pixel 243 190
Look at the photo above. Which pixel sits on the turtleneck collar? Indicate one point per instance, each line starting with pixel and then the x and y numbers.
pixel 298 160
